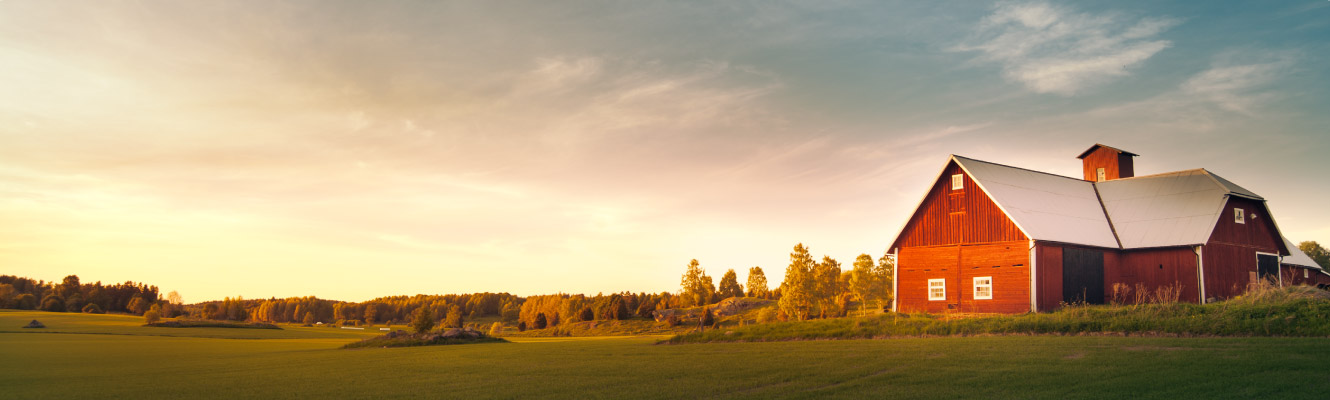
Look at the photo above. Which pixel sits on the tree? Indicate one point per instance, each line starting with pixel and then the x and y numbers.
pixel 309 319
pixel 371 313
pixel 540 321
pixel 883 289
pixel 151 317
pixel 757 283
pixel 454 318
pixel 646 308
pixel 729 285
pixel 586 314
pixel 1318 254
pixel 708 318
pixel 92 308
pixel 52 302
pixel 696 285
pixel 863 280
pixel 797 290
pixel 496 329
pixel 827 286
pixel 25 301
pixel 174 298
pixel 423 321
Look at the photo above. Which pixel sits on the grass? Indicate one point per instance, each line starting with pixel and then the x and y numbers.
pixel 196 323
pixel 1294 311
pixel 114 359
pixel 410 340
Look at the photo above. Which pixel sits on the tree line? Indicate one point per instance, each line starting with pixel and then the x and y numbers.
pixel 70 295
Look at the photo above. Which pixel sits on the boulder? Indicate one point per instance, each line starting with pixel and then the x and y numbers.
pixel 736 305
pixel 34 324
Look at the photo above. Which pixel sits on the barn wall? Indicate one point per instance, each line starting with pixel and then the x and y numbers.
pixel 1120 267
pixel 1156 268
pixel 1230 255
pixel 1295 276
pixel 1048 275
pixel 1006 263
pixel 952 217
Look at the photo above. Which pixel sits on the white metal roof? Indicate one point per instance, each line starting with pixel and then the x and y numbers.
pixel 1164 210
pixel 1298 258
pixel 1045 206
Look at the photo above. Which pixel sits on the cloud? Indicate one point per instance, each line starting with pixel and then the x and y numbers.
pixel 1238 86
pixel 1049 49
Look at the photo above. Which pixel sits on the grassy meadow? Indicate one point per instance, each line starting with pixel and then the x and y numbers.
pixel 111 356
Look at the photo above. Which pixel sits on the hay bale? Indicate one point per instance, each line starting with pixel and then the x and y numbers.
pixel 34 324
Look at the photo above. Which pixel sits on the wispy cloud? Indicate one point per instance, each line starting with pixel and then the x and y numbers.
pixel 1050 49
pixel 1239 85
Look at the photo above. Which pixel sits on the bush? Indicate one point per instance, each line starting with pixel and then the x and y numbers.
pixel 672 320
pixel 540 321
pixel 424 320
pixel 496 329
pixel 521 326
pixel 767 315
pixel 586 314
pixel 454 318
pixel 708 319
pixel 151 317
pixel 92 308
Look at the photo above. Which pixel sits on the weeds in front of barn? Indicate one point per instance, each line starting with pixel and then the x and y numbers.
pixel 1264 310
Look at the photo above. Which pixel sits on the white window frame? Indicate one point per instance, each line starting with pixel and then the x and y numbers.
pixel 1239 216
pixel 1100 175
pixel 987 284
pixel 941 284
pixel 1304 274
pixel 958 182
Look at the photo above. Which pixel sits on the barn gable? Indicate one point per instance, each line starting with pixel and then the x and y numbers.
pixel 947 216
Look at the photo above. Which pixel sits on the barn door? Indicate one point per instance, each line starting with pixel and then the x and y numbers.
pixel 1082 276
pixel 1267 267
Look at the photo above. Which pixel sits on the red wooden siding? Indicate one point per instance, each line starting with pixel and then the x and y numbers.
pixel 1128 268
pixel 1048 276
pixel 1230 255
pixel 1155 268
pixel 952 217
pixel 1006 263
pixel 1295 276
pixel 1116 165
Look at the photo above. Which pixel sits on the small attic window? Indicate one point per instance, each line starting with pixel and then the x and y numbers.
pixel 958 182
pixel 1099 175
pixel 1238 216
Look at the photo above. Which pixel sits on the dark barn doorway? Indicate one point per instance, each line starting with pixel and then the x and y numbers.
pixel 1267 267
pixel 1082 276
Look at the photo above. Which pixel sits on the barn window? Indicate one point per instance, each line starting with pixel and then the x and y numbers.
pixel 1304 274
pixel 1238 217
pixel 983 288
pixel 1099 174
pixel 957 182
pixel 937 289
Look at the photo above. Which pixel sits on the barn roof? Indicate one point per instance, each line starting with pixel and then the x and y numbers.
pixel 1164 210
pixel 1097 145
pixel 1045 206
pixel 1298 258
pixel 1172 209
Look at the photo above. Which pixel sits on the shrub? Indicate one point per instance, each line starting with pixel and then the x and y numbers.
pixel 672 320
pixel 25 301
pixel 424 320
pixel 53 303
pixel 151 317
pixel 521 326
pixel 586 314
pixel 92 308
pixel 454 318
pixel 540 321
pixel 496 329
pixel 766 315
pixel 708 319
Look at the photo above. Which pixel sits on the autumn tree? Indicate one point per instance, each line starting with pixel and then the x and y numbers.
pixel 423 321
pixel 729 285
pixel 863 281
pixel 151 317
pixel 540 321
pixel 696 285
pixel 798 288
pixel 174 298
pixel 454 317
pixel 757 283
pixel 886 265
pixel 1318 254
pixel 827 286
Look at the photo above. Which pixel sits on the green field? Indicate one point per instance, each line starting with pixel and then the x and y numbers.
pixel 110 356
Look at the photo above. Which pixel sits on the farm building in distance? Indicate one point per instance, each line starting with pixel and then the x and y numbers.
pixel 990 238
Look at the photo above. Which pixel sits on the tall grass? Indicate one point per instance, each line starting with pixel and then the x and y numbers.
pixel 1264 310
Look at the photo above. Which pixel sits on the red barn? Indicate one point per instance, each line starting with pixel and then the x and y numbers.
pixel 991 238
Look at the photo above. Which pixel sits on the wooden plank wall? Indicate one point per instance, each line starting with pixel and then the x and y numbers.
pixel 1155 268
pixel 1295 276
pixel 1005 262
pixel 1230 255
pixel 952 217
pixel 1048 274
pixel 1102 158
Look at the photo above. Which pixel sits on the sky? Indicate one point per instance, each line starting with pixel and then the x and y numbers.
pixel 351 150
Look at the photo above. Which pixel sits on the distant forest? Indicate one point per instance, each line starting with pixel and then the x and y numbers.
pixel 811 290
